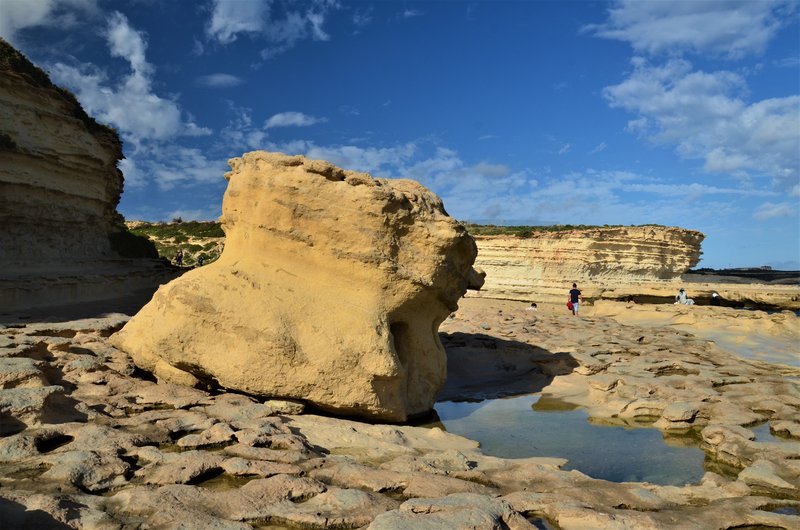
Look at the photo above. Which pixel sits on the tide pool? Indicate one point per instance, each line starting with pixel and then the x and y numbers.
pixel 530 425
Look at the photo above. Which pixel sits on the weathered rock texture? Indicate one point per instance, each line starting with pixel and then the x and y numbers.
pixel 331 288
pixel 516 268
pixel 60 186
pixel 86 443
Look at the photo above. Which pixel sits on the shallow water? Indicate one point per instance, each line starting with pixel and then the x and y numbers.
pixel 753 347
pixel 526 426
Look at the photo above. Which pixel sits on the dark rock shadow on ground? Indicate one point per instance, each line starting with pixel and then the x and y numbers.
pixel 128 304
pixel 10 425
pixel 15 515
pixel 483 367
pixel 61 408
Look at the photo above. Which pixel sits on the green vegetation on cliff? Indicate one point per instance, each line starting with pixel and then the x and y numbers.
pixel 529 231
pixel 199 240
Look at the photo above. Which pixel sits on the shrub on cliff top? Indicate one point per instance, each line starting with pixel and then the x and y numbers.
pixel 12 60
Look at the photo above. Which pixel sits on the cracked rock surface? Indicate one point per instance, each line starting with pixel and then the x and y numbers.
pixel 89 441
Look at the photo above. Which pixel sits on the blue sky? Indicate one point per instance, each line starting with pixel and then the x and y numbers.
pixel 682 113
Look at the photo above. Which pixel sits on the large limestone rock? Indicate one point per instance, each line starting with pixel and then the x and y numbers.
pixel 62 240
pixel 331 289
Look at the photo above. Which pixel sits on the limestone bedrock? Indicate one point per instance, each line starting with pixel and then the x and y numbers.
pixel 331 289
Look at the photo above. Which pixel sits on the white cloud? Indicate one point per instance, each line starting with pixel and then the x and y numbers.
pixel 129 105
pixel 16 15
pixel 489 192
pixel 316 20
pixel 362 17
pixel 209 213
pixel 379 162
pixel 127 43
pixel 564 149
pixel 695 190
pixel 598 148
pixel 728 28
pixel 134 177
pixel 219 80
pixel 172 165
pixel 411 13
pixel 788 62
pixel 233 17
pixel 705 116
pixel 283 25
pixel 292 119
pixel 770 210
pixel 349 110
pixel 240 133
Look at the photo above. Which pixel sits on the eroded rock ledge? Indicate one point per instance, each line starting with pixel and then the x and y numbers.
pixel 331 289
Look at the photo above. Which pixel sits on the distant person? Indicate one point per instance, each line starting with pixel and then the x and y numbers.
pixel 179 258
pixel 716 299
pixel 532 307
pixel 575 298
pixel 682 299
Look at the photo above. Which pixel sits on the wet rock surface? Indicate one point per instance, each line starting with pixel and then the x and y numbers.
pixel 114 448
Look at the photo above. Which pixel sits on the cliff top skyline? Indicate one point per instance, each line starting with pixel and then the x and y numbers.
pixel 674 113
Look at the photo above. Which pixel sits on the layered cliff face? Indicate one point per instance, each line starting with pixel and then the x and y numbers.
pixel 58 175
pixel 540 266
pixel 59 188
pixel 331 289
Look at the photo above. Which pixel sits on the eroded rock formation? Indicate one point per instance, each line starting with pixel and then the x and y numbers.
pixel 86 443
pixel 60 186
pixel 331 288
pixel 539 267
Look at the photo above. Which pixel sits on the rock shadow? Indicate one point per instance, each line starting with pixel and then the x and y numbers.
pixel 10 425
pixel 127 304
pixel 15 515
pixel 483 367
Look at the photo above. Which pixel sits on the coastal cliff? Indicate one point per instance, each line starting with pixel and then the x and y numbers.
pixel 62 239
pixel 521 268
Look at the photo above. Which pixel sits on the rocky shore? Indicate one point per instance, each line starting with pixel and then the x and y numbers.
pixel 90 441
pixel 343 290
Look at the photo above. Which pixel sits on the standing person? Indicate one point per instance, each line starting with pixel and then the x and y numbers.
pixel 179 258
pixel 575 297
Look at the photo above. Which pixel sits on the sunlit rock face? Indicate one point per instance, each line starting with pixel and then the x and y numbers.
pixel 544 266
pixel 331 289
pixel 62 240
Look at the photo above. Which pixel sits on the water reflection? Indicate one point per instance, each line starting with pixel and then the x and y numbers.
pixel 537 425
